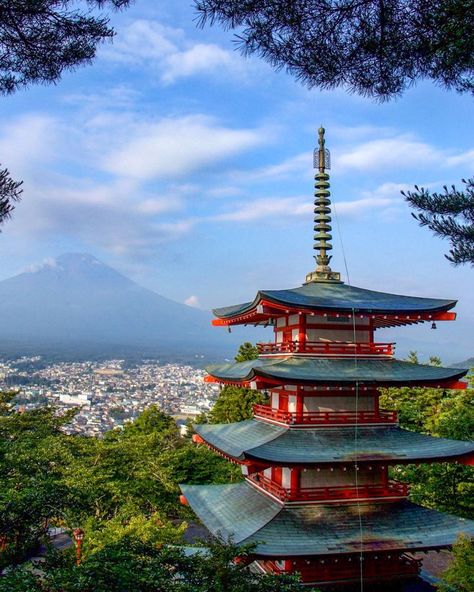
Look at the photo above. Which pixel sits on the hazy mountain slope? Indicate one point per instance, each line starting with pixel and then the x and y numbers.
pixel 76 298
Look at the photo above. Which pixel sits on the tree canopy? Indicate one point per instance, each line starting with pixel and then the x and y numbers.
pixel 235 403
pixel 448 487
pixel 10 192
pixel 449 215
pixel 131 564
pixel 247 351
pixel 375 48
pixel 460 576
pixel 41 39
pixel 124 485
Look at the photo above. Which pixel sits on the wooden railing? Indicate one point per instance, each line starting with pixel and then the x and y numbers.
pixel 325 417
pixel 327 348
pixel 379 565
pixel 340 492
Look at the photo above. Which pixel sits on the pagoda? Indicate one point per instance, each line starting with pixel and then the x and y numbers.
pixel 317 498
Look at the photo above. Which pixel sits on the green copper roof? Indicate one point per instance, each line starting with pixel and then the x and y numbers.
pixel 339 297
pixel 254 439
pixel 314 370
pixel 248 516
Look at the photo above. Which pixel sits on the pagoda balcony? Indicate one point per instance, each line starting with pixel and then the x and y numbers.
pixel 324 418
pixel 327 348
pixel 339 493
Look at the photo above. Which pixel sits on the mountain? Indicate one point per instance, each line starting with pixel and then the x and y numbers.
pixel 469 363
pixel 78 302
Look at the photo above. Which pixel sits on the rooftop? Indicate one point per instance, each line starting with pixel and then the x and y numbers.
pixel 293 370
pixel 339 297
pixel 252 439
pixel 250 517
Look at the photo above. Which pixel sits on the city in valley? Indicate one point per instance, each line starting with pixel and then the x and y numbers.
pixel 108 393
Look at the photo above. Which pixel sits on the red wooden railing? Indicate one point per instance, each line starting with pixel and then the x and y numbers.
pixel 339 492
pixel 325 417
pixel 381 566
pixel 327 348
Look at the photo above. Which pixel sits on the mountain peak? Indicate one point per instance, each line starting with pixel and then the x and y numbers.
pixel 75 298
pixel 77 258
pixel 66 262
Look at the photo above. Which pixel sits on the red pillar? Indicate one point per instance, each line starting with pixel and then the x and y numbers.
pixel 302 332
pixel 295 482
pixel 299 405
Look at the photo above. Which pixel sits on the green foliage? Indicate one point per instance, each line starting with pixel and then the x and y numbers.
pixel 412 357
pixel 134 565
pixel 235 404
pixel 10 193
pixel 455 416
pixel 137 470
pixel 33 451
pixel 247 351
pixel 372 48
pixel 449 215
pixel 460 574
pixel 154 529
pixel 447 487
pixel 416 406
pixel 125 484
pixel 40 40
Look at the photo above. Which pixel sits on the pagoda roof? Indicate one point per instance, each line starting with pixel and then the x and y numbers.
pixel 250 517
pixel 337 297
pixel 269 443
pixel 296 370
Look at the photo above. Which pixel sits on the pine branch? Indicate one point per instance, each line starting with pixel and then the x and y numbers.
pixel 10 192
pixel 449 215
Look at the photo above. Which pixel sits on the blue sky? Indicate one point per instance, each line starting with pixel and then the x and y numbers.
pixel 189 168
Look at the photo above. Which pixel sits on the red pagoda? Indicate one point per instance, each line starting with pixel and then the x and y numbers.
pixel 317 498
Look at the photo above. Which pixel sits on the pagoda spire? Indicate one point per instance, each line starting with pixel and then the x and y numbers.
pixel 322 216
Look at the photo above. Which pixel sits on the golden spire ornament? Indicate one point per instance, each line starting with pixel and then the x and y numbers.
pixel 322 216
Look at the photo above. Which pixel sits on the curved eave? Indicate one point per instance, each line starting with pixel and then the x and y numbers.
pixel 326 298
pixel 250 517
pixel 259 443
pixel 265 372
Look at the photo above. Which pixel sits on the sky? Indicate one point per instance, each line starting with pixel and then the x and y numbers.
pixel 188 168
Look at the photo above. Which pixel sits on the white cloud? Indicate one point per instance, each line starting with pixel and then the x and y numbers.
pixel 465 159
pixel 108 215
pixel 224 191
pixel 301 163
pixel 399 152
pixel 48 263
pixel 198 59
pixel 192 301
pixel 259 209
pixel 141 42
pixel 173 147
pixel 121 96
pixel 167 52
pixel 383 198
pixel 30 139
pixel 393 151
pixel 402 151
pixel 120 214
